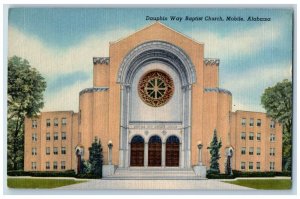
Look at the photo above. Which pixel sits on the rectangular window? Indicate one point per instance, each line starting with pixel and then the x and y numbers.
pixel 251 136
pixel 243 121
pixel 251 151
pixel 251 123
pixel 272 166
pixel 250 165
pixel 258 122
pixel 33 165
pixel 272 151
pixel 55 165
pixel 47 150
pixel 243 165
pixel 33 151
pixel 48 136
pixel 63 150
pixel 258 136
pixel 64 121
pixel 55 151
pixel 243 151
pixel 55 136
pixel 34 123
pixel 34 137
pixel 272 137
pixel 243 136
pixel 47 165
pixel 258 166
pixel 55 122
pixel 48 122
pixel 272 124
pixel 63 165
pixel 258 151
pixel 63 136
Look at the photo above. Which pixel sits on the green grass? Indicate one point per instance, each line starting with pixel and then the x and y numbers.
pixel 29 183
pixel 267 184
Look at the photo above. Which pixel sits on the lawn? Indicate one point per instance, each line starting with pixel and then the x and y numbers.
pixel 266 184
pixel 29 183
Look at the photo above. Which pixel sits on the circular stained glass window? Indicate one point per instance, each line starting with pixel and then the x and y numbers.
pixel 156 88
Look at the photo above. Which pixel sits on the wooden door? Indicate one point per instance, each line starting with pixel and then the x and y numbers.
pixel 172 152
pixel 154 152
pixel 137 152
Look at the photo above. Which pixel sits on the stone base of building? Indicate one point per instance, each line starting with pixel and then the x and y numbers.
pixel 200 170
pixel 108 170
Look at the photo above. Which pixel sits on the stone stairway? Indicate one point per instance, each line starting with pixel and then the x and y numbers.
pixel 153 173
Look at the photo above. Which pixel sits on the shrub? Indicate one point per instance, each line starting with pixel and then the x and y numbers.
pixel 68 173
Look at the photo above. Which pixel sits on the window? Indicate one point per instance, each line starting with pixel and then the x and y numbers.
pixel 243 165
pixel 47 165
pixel 55 137
pixel 272 151
pixel 272 124
pixel 34 137
pixel 272 166
pixel 243 136
pixel 55 165
pixel 251 136
pixel 55 122
pixel 251 122
pixel 47 150
pixel 243 122
pixel 63 165
pixel 63 150
pixel 251 151
pixel 55 151
pixel 258 151
pixel 63 136
pixel 272 137
pixel 33 151
pixel 64 121
pixel 48 136
pixel 34 123
pixel 33 165
pixel 243 151
pixel 48 123
pixel 258 122
pixel 258 166
pixel 250 165
pixel 258 136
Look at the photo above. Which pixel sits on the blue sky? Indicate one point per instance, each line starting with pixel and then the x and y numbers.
pixel 60 43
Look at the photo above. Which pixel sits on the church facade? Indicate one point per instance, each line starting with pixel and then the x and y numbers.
pixel 156 101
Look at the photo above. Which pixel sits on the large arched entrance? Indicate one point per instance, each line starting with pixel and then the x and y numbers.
pixel 172 152
pixel 137 151
pixel 154 151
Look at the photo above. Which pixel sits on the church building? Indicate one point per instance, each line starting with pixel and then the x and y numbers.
pixel 155 103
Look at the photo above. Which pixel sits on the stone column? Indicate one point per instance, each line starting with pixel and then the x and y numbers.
pixel 181 157
pixel 110 145
pixel 129 154
pixel 163 155
pixel 146 155
pixel 200 153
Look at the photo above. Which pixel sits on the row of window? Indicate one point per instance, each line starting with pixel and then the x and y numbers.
pixel 258 122
pixel 258 151
pixel 48 122
pixel 55 165
pixel 48 136
pixel 55 151
pixel 251 166
pixel 258 136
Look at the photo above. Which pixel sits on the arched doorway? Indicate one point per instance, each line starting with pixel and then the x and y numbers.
pixel 154 151
pixel 137 151
pixel 172 152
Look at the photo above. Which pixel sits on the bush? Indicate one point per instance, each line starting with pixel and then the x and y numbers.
pixel 260 174
pixel 219 176
pixel 87 175
pixel 68 173
pixel 18 173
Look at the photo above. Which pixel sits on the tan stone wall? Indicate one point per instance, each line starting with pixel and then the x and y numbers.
pixel 101 75
pixel 211 75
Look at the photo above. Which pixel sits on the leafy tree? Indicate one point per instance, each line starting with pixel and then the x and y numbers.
pixel 214 149
pixel 25 99
pixel 277 101
pixel 96 158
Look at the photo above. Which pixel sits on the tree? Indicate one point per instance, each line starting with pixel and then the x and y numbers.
pixel 214 149
pixel 96 158
pixel 277 101
pixel 25 99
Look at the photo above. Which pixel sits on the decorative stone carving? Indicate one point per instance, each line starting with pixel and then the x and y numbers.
pixel 101 60
pixel 209 61
pixel 146 132
pixel 164 132
pixel 94 89
pixel 219 90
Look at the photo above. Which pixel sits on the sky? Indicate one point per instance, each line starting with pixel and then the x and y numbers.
pixel 62 42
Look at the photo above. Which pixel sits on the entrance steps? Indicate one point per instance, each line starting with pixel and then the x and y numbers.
pixel 153 173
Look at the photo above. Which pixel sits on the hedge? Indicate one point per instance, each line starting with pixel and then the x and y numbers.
pixel 68 173
pixel 237 174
